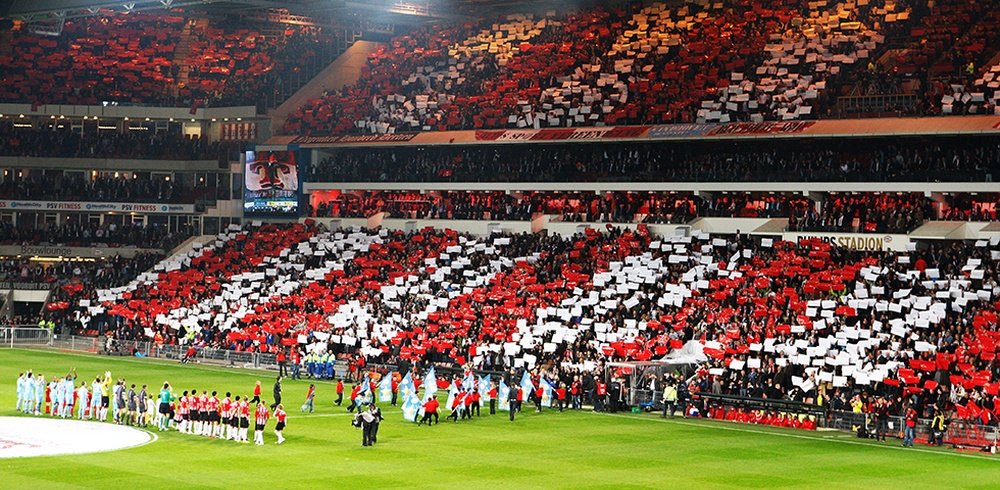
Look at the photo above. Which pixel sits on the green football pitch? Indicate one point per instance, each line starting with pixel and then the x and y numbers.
pixel 547 450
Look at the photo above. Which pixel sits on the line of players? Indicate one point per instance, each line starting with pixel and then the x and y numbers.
pixel 190 413
pixel 207 415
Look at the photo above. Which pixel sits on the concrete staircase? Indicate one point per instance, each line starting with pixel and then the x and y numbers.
pixel 182 54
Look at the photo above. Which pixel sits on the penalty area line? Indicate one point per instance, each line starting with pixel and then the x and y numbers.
pixel 801 436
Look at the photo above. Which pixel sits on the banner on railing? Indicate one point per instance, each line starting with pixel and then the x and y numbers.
pixel 865 242
pixel 87 252
pixel 97 207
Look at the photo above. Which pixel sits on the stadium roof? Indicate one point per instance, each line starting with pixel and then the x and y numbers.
pixel 377 10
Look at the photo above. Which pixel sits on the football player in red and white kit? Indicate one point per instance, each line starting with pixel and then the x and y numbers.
pixel 280 416
pixel 244 414
pixel 225 407
pixel 261 414
pixel 212 407
pixel 204 423
pixel 184 410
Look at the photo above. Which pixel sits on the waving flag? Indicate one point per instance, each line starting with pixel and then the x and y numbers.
pixel 412 408
pixel 503 392
pixel 469 382
pixel 484 388
pixel 527 389
pixel 365 385
pixel 452 393
pixel 547 388
pixel 385 388
pixel 406 385
pixel 430 384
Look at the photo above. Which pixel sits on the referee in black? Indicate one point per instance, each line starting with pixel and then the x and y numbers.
pixel 277 392
pixel 512 402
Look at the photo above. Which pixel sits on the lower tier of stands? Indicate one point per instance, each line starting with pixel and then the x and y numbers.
pixel 800 321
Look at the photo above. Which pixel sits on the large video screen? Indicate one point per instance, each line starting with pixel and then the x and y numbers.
pixel 271 184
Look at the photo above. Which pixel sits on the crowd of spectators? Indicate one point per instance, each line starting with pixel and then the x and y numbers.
pixel 967 207
pixel 872 318
pixel 101 188
pixel 133 59
pixel 239 65
pixel 92 234
pixel 863 213
pixel 618 207
pixel 142 145
pixel 877 160
pixel 632 64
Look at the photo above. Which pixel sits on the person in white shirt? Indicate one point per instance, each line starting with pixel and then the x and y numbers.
pixel 82 398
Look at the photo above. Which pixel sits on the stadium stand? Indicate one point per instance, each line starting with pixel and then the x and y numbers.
pixel 775 319
pixel 770 319
pixel 875 160
pixel 176 59
pixel 695 62
pixel 144 145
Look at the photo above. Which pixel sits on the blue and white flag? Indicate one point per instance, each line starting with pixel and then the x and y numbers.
pixel 547 392
pixel 527 388
pixel 406 385
pixel 452 393
pixel 365 386
pixel 469 382
pixel 412 408
pixel 385 388
pixel 503 394
pixel 484 388
pixel 430 384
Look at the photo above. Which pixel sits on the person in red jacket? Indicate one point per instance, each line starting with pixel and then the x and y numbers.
pixel 475 403
pixel 576 391
pixel 539 391
pixel 493 398
pixel 561 396
pixel 256 393
pixel 395 389
pixel 340 392
pixel 354 398
pixel 468 401
pixel 457 406
pixel 430 409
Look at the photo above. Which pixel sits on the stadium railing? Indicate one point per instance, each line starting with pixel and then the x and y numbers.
pixel 959 432
pixel 138 348
pixel 25 336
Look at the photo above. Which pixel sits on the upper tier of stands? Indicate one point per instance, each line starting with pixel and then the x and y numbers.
pixel 699 61
pixel 779 319
pixel 171 59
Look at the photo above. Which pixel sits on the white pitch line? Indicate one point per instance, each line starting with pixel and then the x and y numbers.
pixel 800 436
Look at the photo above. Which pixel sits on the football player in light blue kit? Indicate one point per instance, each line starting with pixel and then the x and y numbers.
pixel 95 398
pixel 39 393
pixel 68 388
pixel 20 392
pixel 55 396
pixel 81 401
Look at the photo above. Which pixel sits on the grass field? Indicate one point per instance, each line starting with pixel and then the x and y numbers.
pixel 548 450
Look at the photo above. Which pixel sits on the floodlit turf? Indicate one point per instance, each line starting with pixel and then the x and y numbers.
pixel 550 450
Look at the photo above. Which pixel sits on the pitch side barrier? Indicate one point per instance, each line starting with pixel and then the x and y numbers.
pixel 138 348
pixel 25 336
pixel 958 433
